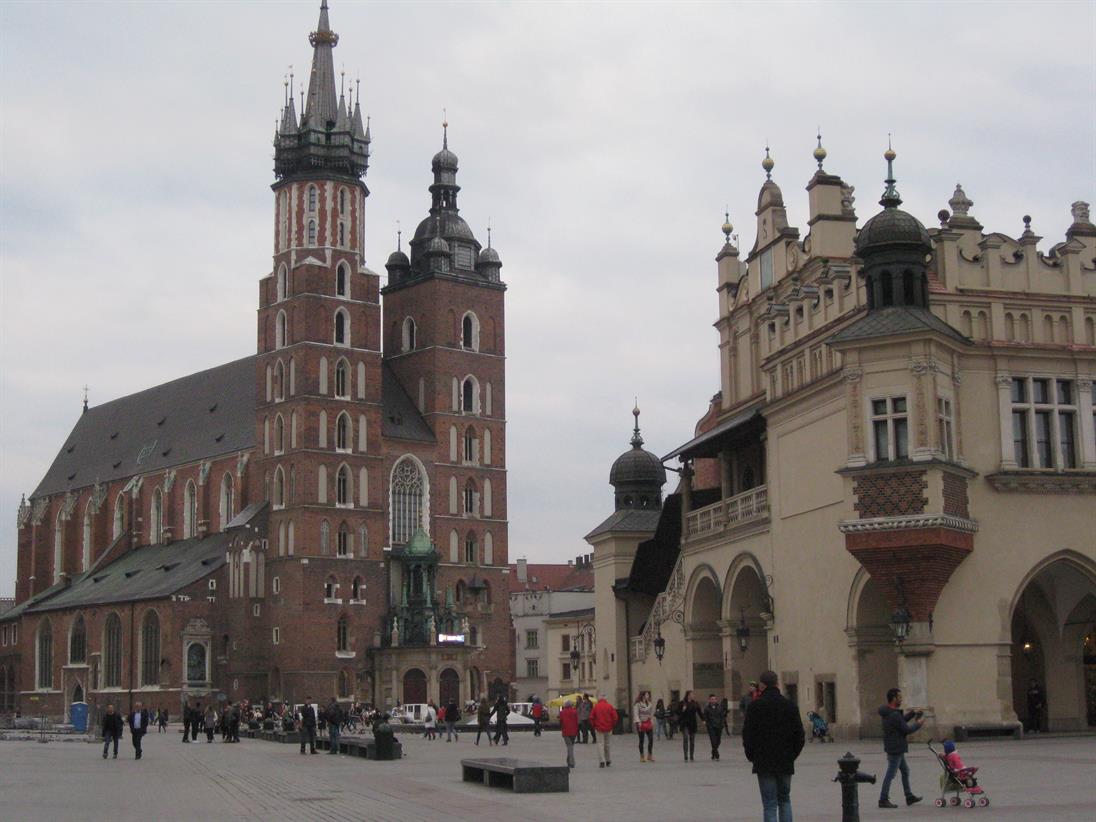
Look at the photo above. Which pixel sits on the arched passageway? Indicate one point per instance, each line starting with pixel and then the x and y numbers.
pixel 705 643
pixel 744 613
pixel 876 656
pixel 449 687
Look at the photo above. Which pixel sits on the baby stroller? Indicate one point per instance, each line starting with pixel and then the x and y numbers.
pixel 819 729
pixel 957 782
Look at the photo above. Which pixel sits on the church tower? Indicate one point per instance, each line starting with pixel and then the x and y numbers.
pixel 318 382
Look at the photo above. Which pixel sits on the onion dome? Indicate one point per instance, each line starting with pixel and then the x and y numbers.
pixel 444 160
pixel 437 245
pixel 397 259
pixel 637 475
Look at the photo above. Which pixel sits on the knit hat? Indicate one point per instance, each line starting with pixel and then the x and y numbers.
pixel 949 746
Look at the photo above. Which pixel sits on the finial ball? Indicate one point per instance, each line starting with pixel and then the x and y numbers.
pixel 943 216
pixel 889 154
pixel 820 154
pixel 767 163
pixel 1027 221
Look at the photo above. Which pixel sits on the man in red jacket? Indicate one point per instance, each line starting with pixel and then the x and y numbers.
pixel 604 719
pixel 568 727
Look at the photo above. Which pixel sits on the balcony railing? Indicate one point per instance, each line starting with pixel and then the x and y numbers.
pixel 727 513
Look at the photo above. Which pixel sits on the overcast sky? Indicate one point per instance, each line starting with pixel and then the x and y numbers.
pixel 603 142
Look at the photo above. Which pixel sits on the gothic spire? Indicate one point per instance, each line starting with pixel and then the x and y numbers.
pixel 891 198
pixel 322 103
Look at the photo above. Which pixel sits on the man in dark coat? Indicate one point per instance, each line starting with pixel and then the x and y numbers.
pixel 772 737
pixel 1035 704
pixel 112 730
pixel 333 716
pixel 308 725
pixel 138 727
pixel 896 727
pixel 187 719
pixel 501 712
pixel 714 720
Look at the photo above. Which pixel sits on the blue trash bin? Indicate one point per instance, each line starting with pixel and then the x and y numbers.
pixel 78 716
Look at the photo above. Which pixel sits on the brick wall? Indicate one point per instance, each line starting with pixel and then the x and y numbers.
pixel 956 502
pixel 890 494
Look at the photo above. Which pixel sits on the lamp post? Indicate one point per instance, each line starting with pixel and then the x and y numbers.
pixel 660 647
pixel 575 657
pixel 900 619
pixel 743 632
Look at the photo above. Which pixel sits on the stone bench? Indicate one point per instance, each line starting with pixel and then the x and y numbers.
pixel 520 775
pixel 966 732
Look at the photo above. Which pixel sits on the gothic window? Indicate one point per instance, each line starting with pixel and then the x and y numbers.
pixel 190 510
pixel 486 446
pixel 357 589
pixel 470 548
pixel 280 330
pixel 344 492
pixel 325 537
pixel 311 232
pixel 342 233
pixel 312 196
pixel 363 541
pixel 459 595
pixel 44 678
pixel 470 444
pixel 470 498
pixel 330 588
pixel 283 282
pixel 470 332
pixel 279 434
pixel 86 542
pixel 278 494
pixel 119 517
pixel 468 396
pixel 342 201
pixel 112 652
pixel 342 542
pixel 226 500
pixel 408 493
pixel 342 634
pixel 343 436
pixel 196 661
pixel 279 381
pixel 156 519
pixel 342 380
pixel 342 327
pixel 408 334
pixel 488 549
pixel 58 547
pixel 150 649
pixel 78 642
pixel 341 276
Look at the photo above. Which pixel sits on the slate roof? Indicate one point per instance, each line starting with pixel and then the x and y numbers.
pixel 196 417
pixel 894 320
pixel 697 445
pixel 655 558
pixel 628 519
pixel 149 572
pixel 192 418
pixel 551 577
pixel 402 420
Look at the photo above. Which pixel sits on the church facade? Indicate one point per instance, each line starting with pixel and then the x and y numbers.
pixel 326 517
pixel 895 484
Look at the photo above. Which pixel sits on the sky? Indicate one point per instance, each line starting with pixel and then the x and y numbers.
pixel 602 141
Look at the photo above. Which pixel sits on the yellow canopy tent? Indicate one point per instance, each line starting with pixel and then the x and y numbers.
pixel 557 703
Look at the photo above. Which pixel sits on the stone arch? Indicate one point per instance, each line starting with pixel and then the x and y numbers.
pixel 703 608
pixel 449 687
pixel 413 690
pixel 747 601
pixel 868 626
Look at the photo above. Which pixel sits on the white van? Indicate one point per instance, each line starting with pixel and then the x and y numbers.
pixel 413 713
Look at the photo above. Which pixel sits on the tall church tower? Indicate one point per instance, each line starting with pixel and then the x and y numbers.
pixel 318 420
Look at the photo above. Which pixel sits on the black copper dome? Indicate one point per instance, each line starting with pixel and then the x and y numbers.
pixel 637 466
pixel 890 227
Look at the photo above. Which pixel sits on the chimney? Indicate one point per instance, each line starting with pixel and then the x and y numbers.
pixel 523 570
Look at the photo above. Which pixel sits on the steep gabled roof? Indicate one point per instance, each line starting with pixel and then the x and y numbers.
pixel 402 420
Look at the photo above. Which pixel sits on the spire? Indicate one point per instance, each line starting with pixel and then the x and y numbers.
pixel 768 164
pixel 399 237
pixel 891 199
pixel 637 439
pixel 85 399
pixel 728 228
pixel 488 232
pixel 444 129
pixel 321 84
pixel 356 129
pixel 819 152
pixel 342 119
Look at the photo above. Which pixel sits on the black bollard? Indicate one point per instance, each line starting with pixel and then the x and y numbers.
pixel 850 779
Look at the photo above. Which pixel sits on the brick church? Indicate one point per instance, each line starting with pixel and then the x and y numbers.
pixel 326 517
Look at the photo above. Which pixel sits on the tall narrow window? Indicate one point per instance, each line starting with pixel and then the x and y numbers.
pixel 85 559
pixel 342 328
pixel 1044 420
pixel 112 652
pixel 311 232
pixel 190 510
pixel 357 589
pixel 470 548
pixel 156 519
pixel 344 493
pixel 58 547
pixel 408 334
pixel 343 436
pixel 330 588
pixel 44 679
pixel 278 494
pixel 470 332
pixel 341 276
pixel 325 537
pixel 226 512
pixel 150 649
pixel 342 380
pixel 342 542
pixel 119 517
pixel 312 197
pixel 279 381
pixel 469 445
pixel 890 426
pixel 342 635
pixel 78 642
pixel 946 424
pixel 468 396
pixel 470 498
pixel 279 434
pixel 280 338
pixel 283 282
pixel 408 493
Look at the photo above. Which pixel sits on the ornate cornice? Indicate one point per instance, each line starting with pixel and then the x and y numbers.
pixel 1073 482
pixel 854 526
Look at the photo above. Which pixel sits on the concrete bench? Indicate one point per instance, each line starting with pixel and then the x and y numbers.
pixel 966 732
pixel 520 775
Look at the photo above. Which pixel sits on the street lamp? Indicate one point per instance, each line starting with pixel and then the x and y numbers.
pixel 900 619
pixel 574 658
pixel 743 632
pixel 660 647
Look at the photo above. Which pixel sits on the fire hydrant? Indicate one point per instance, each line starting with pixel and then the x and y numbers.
pixel 850 779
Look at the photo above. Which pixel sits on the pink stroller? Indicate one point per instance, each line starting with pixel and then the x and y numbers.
pixel 956 782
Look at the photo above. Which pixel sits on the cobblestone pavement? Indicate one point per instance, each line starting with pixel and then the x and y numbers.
pixel 1034 780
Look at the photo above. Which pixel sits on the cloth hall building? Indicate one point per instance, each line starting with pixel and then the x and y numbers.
pixel 326 517
pixel 895 484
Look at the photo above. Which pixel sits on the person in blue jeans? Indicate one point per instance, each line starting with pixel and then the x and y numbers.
pixel 772 738
pixel 897 726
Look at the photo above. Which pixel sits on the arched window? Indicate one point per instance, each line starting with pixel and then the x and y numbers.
pixel 342 201
pixel 280 336
pixel 190 510
pixel 342 379
pixel 460 592
pixel 311 232
pixel 342 327
pixel 487 502
pixel 78 642
pixel 283 282
pixel 469 332
pixel 357 589
pixel 488 549
pixel 58 547
pixel 156 519
pixel 454 546
pixel 342 542
pixel 279 434
pixel 312 196
pixel 470 498
pixel 470 547
pixel 44 677
pixel 85 558
pixel 344 491
pixel 342 634
pixel 344 685
pixel 226 505
pixel 343 434
pixel 279 381
pixel 278 493
pixel 112 652
pixel 342 276
pixel 486 446
pixel 408 494
pixel 330 588
pixel 150 649
pixel 468 396
pixel 119 517
pixel 325 537
pixel 409 331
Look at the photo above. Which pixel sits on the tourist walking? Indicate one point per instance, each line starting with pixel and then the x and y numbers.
pixel 138 727
pixel 584 708
pixel 686 717
pixel 537 712
pixel 568 728
pixel 333 717
pixel 187 717
pixel 483 720
pixel 671 717
pixel 196 721
pixel 897 726
pixel 714 720
pixel 643 721
pixel 1035 704
pixel 660 720
pixel 603 718
pixel 430 722
pixel 725 706
pixel 308 725
pixel 210 723
pixel 163 721
pixel 772 737
pixel 501 712
pixel 452 717
pixel 112 730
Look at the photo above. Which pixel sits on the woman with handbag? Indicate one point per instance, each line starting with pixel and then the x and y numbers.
pixel 643 718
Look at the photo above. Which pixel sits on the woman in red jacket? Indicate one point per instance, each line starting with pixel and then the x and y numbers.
pixel 568 727
pixel 604 718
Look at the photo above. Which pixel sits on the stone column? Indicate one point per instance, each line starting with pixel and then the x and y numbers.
pixel 1088 434
pixel 855 412
pixel 1004 412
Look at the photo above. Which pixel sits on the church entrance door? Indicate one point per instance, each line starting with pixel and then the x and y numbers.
pixel 414 687
pixel 448 687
